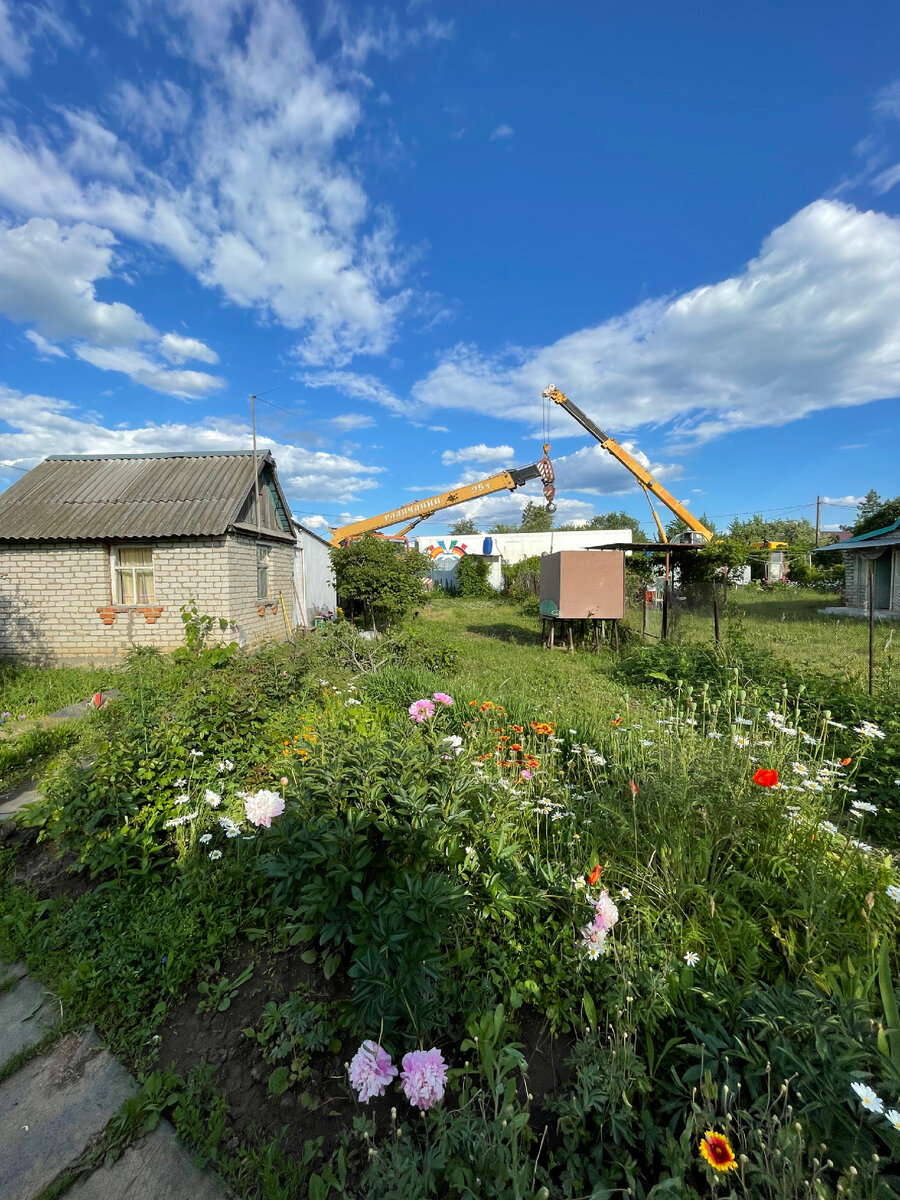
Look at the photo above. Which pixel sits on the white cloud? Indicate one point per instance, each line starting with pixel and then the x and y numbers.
pixel 502 131
pixel 844 501
pixel 179 349
pixel 438 429
pixel 361 37
pixel 47 279
pixel 21 26
pixel 44 348
pixel 259 202
pixel 813 322
pixel 316 521
pixel 43 425
pixel 144 370
pixel 479 454
pixel 347 421
pixel 357 387
pixel 593 469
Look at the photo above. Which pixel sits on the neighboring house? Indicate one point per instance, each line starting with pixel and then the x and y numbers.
pixel 500 548
pixel 314 594
pixel 100 552
pixel 877 554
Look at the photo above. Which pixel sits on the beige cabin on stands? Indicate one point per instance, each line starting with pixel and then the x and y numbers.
pixel 99 553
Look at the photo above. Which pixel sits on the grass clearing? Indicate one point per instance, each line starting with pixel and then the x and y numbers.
pixel 37 691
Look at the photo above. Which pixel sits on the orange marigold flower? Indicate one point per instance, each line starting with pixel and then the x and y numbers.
pixel 515 746
pixel 542 727
pixel 503 763
pixel 716 1149
pixel 616 721
pixel 766 777
pixel 594 877
pixel 516 728
pixel 473 704
pixel 505 738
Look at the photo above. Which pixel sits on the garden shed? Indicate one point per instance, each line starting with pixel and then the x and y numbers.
pixel 877 552
pixel 314 593
pixel 99 553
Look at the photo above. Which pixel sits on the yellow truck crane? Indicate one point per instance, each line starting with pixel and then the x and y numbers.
pixel 699 535
pixel 418 510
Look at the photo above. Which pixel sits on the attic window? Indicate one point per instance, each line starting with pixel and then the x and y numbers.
pixel 132 569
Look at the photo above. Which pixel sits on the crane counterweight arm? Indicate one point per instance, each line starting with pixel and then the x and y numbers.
pixel 418 510
pixel 644 478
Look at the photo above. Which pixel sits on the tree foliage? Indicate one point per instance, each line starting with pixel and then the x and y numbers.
pixel 472 576
pixel 535 518
pixel 463 527
pixel 374 578
pixel 796 532
pixel 875 513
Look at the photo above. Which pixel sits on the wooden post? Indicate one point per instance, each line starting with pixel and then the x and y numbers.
pixel 716 611
pixel 552 631
pixel 571 637
pixel 665 607
pixel 871 566
pixel 645 593
pixel 616 634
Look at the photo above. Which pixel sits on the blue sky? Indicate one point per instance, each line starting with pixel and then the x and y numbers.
pixel 401 221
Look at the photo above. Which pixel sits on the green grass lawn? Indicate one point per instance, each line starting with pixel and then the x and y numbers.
pixel 37 691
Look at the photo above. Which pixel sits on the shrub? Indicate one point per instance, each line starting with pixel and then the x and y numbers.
pixel 472 577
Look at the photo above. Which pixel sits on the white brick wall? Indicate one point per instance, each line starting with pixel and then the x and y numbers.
pixel 50 593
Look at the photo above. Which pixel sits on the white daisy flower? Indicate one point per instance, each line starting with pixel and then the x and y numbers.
pixel 214 855
pixel 862 806
pixel 692 958
pixel 624 893
pixel 893 892
pixel 213 799
pixel 893 1115
pixel 204 838
pixel 868 1098
pixel 740 741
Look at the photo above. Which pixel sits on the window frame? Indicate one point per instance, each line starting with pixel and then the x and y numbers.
pixel 264 597
pixel 116 572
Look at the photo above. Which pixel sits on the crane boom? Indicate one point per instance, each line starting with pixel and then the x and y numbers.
pixel 644 478
pixel 418 510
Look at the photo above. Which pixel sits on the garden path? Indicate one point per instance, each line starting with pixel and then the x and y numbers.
pixel 56 1100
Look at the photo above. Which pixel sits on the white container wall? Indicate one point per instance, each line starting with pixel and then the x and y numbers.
pixel 500 548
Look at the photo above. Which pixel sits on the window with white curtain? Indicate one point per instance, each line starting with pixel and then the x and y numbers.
pixel 132 570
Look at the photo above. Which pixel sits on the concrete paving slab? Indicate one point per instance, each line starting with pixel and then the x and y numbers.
pixel 26 1013
pixel 157 1167
pixel 16 799
pixel 52 1108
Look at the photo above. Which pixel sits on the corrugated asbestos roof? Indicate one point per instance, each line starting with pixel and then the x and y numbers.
pixel 120 496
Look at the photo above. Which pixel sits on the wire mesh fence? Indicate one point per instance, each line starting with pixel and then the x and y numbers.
pixel 790 623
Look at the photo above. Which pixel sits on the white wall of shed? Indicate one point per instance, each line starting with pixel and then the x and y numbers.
pixel 313 578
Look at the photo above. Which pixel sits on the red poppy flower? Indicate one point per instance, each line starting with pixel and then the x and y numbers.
pixel 633 786
pixel 717 1151
pixel 617 721
pixel 594 876
pixel 845 762
pixel 766 777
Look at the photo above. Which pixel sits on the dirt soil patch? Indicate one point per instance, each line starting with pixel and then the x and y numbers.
pixel 39 867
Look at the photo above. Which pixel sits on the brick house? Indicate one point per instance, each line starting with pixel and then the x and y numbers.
pixel 99 553
pixel 871 560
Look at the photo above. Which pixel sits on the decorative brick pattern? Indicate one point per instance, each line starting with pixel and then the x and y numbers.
pixel 55 597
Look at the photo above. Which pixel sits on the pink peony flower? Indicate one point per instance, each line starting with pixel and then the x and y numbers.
pixel 262 806
pixel 421 710
pixel 424 1077
pixel 605 912
pixel 370 1071
pixel 443 698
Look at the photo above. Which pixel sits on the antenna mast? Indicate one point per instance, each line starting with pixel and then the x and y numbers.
pixel 255 466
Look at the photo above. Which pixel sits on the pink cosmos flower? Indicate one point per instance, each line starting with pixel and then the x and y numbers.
pixel 424 1077
pixel 421 710
pixel 526 774
pixel 262 806
pixel 605 912
pixel 370 1071
pixel 443 698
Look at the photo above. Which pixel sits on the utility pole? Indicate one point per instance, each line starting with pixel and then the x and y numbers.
pixel 818 518
pixel 256 468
